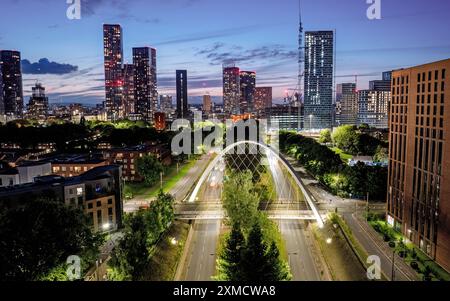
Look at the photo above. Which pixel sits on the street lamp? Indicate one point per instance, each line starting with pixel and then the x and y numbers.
pixel 393 245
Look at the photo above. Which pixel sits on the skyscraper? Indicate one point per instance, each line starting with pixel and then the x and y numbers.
pixel 182 94
pixel 145 82
pixel 263 100
pixel 2 104
pixel 346 104
pixel 231 89
pixel 207 104
pixel 37 107
pixel 247 86
pixel 128 103
pixel 419 156
pixel 12 83
pixel 113 53
pixel 318 86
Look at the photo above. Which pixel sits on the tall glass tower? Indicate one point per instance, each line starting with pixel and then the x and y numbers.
pixel 318 86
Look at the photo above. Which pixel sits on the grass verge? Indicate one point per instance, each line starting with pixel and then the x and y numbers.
pixel 167 254
pixel 344 156
pixel 170 178
pixel 341 260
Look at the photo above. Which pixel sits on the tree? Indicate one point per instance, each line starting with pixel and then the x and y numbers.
pixel 346 138
pixel 325 136
pixel 260 261
pixel 230 258
pixel 150 168
pixel 240 201
pixel 142 231
pixel 37 238
pixel 131 255
pixel 381 154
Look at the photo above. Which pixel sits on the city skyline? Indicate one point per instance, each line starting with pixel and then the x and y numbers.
pixel 182 43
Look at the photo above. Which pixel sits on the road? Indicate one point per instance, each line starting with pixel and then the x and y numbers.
pixel 294 232
pixel 200 264
pixel 180 190
pixel 301 260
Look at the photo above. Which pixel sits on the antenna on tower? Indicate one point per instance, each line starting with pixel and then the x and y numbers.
pixel 301 60
pixel 301 57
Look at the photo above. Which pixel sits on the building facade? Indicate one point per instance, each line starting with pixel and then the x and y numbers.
pixel 128 157
pixel 160 121
pixel 373 108
pixel 145 82
pixel 182 94
pixel 318 84
pixel 419 156
pixel 128 103
pixel 165 103
pixel 10 64
pixel 207 104
pixel 113 60
pixel 263 101
pixel 284 117
pixel 247 86
pixel 98 192
pixel 74 165
pixel 382 85
pixel 231 90
pixel 346 104
pixel 2 95
pixel 37 107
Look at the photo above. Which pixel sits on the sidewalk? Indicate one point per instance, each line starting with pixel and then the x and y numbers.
pixel 403 272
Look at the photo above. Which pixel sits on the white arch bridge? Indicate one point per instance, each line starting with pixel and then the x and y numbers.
pixel 216 212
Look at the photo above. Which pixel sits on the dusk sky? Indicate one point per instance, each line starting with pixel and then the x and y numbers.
pixel 200 35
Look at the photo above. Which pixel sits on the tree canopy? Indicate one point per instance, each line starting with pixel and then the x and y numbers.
pixel 39 236
pixel 150 168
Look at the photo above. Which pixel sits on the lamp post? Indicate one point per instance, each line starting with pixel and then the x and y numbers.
pixel 367 213
pixel 393 245
pixel 310 124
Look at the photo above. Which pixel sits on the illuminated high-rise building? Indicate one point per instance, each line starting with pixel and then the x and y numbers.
pixel 373 108
pixel 145 82
pixel 247 86
pixel 346 104
pixel 2 104
pixel 263 100
pixel 318 85
pixel 182 94
pixel 12 104
pixel 128 103
pixel 37 107
pixel 113 55
pixel 231 90
pixel 419 158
